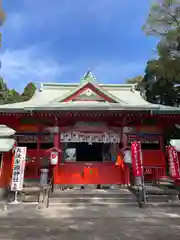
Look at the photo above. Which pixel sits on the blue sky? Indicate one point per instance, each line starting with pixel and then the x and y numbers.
pixel 57 41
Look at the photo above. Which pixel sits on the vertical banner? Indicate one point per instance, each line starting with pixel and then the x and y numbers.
pixel 18 168
pixel 173 162
pixel 136 159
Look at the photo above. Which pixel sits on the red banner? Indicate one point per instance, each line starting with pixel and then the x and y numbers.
pixel 136 159
pixel 173 162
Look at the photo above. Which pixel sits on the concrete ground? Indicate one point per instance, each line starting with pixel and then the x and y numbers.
pixel 95 223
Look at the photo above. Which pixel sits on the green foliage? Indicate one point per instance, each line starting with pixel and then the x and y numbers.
pixel 12 96
pixel 164 22
pixel 28 92
pixel 136 80
pixel 162 75
pixel 3 91
pixel 161 82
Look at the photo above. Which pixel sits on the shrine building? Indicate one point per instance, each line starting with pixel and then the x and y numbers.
pixel 88 123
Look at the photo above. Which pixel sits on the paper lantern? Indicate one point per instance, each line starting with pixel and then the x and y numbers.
pixel 54 158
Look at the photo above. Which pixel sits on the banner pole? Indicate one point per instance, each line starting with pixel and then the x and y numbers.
pixel 142 177
pixel 15 198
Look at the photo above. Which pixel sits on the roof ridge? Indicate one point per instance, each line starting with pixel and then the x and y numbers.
pixel 71 84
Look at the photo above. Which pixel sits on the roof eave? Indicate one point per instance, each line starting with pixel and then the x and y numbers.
pixel 90 108
pixel 166 111
pixel 14 110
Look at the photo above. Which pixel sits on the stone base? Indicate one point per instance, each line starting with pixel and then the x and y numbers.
pixel 90 186
pixel 3 193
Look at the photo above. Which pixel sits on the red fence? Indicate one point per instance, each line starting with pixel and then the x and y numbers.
pixel 154 164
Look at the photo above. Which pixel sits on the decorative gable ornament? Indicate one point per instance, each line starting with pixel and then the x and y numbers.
pixel 88 92
pixel 88 77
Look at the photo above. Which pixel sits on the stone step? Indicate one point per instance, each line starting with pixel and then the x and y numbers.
pixel 30 198
pixel 70 195
pixel 93 197
pixel 92 200
pixel 95 204
pixel 30 190
pixel 91 193
pixel 156 196
pixel 157 199
pixel 164 192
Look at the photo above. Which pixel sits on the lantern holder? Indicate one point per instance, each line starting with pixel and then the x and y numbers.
pixel 53 149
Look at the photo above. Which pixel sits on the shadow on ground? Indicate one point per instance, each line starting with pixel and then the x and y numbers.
pixel 98 223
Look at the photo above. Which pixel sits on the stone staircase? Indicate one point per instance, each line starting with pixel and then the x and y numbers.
pixel 156 196
pixel 160 196
pixel 92 197
pixel 108 196
pixel 30 193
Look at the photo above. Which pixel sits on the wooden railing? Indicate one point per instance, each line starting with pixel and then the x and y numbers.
pixel 154 166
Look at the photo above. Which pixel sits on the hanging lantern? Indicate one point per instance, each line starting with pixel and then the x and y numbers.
pixel 54 158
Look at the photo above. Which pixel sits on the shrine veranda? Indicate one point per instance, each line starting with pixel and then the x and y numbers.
pixel 88 122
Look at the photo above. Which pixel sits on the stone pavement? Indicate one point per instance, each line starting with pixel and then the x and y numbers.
pixel 92 222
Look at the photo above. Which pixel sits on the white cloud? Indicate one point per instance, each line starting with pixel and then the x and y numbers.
pixel 24 65
pixel 20 66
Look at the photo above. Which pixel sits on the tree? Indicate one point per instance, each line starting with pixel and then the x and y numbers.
pixel 164 22
pixel 2 20
pixel 135 80
pixel 162 75
pixel 28 92
pixel 161 82
pixel 12 96
pixel 3 90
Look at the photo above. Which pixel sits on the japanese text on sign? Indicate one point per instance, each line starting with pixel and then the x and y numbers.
pixel 137 159
pixel 173 162
pixel 18 168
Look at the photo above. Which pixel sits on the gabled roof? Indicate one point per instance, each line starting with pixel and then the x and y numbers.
pixel 68 97
pixel 91 89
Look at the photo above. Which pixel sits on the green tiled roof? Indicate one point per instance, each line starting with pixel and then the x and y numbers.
pixel 50 96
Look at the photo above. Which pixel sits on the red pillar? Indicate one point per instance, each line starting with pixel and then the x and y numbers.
pixel 124 169
pixel 56 139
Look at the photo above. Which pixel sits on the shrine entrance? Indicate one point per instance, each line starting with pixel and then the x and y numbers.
pixel 89 158
pixel 89 152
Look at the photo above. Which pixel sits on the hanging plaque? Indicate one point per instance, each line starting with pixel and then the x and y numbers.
pixel 106 137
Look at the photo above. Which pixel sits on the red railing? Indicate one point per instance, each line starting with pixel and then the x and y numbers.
pixel 154 166
pixel 154 173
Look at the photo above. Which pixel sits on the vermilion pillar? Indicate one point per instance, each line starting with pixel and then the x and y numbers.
pixel 56 138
